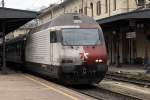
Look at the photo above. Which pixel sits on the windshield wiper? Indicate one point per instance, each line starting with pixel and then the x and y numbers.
pixel 96 43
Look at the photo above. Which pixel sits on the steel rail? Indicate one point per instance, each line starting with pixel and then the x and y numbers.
pixel 100 93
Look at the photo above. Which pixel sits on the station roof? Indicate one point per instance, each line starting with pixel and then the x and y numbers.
pixel 12 19
pixel 140 14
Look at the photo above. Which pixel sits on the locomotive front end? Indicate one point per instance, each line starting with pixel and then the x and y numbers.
pixel 84 57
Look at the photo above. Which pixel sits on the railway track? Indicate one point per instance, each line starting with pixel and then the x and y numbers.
pixel 97 92
pixel 100 93
pixel 118 77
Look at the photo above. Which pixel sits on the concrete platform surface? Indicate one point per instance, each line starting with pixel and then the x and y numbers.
pixel 126 88
pixel 130 72
pixel 27 87
pixel 127 69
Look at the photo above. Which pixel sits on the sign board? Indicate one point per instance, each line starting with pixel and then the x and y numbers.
pixel 130 35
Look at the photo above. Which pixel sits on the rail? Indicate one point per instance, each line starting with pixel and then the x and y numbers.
pixel 119 77
pixel 100 93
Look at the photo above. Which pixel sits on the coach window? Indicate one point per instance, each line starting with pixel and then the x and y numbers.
pixel 53 37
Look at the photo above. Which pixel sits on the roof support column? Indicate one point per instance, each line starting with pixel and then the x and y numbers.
pixel 4 53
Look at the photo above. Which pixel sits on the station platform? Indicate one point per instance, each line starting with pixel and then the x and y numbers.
pixel 127 89
pixel 133 72
pixel 130 70
pixel 19 86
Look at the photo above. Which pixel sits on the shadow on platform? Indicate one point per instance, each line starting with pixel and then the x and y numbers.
pixel 7 71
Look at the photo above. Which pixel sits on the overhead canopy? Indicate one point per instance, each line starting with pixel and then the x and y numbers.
pixel 12 19
pixel 140 14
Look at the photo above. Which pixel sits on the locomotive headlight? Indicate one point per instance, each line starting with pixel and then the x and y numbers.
pixel 98 61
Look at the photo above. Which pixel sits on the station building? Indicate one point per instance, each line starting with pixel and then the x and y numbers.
pixel 125 24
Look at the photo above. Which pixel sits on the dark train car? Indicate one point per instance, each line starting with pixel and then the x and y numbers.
pixel 15 50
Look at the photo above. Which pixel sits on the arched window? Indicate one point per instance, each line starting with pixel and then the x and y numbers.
pixel 106 6
pixel 98 7
pixel 51 14
pixel 91 5
pixel 75 10
pixel 115 4
pixel 85 10
pixel 140 2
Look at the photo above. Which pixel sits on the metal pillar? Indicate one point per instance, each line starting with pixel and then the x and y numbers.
pixel 118 52
pixel 82 6
pixel 4 70
pixel 109 8
pixel 3 3
pixel 111 50
pixel 128 5
pixel 146 45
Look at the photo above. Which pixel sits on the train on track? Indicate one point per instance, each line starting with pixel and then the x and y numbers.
pixel 70 48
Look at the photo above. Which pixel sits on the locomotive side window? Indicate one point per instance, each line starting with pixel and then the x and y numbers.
pixel 53 37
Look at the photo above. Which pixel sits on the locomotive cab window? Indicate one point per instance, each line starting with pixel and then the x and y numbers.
pixel 53 37
pixel 81 36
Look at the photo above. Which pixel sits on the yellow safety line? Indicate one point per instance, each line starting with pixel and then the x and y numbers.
pixel 50 88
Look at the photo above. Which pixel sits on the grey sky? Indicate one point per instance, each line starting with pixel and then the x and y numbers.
pixel 28 4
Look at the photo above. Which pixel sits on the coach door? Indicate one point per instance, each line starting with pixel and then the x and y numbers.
pixel 53 47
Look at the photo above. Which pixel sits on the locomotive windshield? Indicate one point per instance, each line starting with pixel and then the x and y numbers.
pixel 80 36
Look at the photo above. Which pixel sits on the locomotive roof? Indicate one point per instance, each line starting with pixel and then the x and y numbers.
pixel 65 20
pixel 68 19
